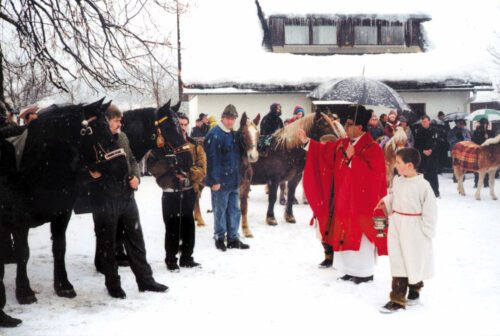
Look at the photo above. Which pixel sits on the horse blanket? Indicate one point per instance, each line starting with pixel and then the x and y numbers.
pixel 465 155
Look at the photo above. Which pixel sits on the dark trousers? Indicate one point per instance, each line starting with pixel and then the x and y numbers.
pixel 113 213
pixel 400 287
pixel 2 287
pixel 429 168
pixel 178 217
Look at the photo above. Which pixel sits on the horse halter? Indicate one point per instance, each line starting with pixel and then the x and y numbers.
pixel 161 142
pixel 86 129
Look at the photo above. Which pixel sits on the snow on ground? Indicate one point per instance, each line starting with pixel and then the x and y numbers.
pixel 273 288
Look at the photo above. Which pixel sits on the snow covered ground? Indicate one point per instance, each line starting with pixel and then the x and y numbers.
pixel 275 288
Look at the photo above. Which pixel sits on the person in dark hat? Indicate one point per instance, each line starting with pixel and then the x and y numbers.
pixel 426 142
pixel 223 178
pixel 272 120
pixel 356 169
pixel 479 136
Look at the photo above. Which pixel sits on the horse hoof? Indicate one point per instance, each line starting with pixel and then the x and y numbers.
pixel 248 234
pixel 27 299
pixel 66 293
pixel 282 201
pixel 271 221
pixel 290 218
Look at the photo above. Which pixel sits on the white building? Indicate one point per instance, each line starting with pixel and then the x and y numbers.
pixel 254 53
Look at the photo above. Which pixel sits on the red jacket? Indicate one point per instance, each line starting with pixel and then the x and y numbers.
pixel 357 190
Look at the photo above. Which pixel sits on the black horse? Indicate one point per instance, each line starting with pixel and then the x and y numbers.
pixel 61 144
pixel 139 125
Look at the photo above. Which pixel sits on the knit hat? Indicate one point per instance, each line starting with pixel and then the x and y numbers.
pixel 393 112
pixel 230 112
pixel 298 109
pixel 402 119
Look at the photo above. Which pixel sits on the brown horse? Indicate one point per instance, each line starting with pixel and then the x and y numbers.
pixel 391 147
pixel 483 159
pixel 248 134
pixel 284 163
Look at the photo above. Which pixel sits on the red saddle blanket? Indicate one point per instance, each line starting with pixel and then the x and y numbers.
pixel 465 155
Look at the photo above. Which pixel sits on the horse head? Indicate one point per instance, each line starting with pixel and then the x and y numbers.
pixel 139 125
pixel 170 141
pixel 98 147
pixel 323 125
pixel 249 136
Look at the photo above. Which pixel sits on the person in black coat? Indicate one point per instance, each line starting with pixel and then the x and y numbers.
pixel 272 120
pixel 426 143
pixel 479 136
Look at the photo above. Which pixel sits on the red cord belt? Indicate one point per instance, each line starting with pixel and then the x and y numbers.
pixel 406 214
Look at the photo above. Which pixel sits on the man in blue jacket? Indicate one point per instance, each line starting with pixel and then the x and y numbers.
pixel 223 177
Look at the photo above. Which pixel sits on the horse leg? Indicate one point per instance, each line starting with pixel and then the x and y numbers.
pixel 197 212
pixel 492 183
pixel 244 191
pixel 282 193
pixel 292 185
pixel 459 175
pixel 480 183
pixel 24 293
pixel 58 227
pixel 273 191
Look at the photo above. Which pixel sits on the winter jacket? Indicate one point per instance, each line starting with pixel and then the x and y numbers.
pixel 223 158
pixel 410 237
pixel 133 167
pixel 425 138
pixel 200 132
pixel 458 134
pixel 198 171
pixel 270 123
pixel 375 132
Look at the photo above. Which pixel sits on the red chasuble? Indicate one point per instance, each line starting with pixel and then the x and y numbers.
pixel 358 186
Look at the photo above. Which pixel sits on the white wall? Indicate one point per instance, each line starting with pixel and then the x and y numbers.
pixel 252 104
pixel 259 103
pixel 439 101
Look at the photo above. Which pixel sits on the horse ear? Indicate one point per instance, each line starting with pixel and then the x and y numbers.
pixel 176 107
pixel 243 120
pixel 93 107
pixel 163 111
pixel 105 106
pixel 256 120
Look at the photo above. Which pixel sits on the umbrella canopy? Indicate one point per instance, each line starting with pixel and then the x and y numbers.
pixel 454 116
pixel 489 114
pixel 359 90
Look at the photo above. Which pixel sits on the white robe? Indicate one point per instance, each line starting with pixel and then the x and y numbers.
pixel 410 237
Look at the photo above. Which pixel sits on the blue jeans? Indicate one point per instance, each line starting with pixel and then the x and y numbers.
pixel 227 213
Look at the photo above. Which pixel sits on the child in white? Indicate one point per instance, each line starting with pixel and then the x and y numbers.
pixel 412 210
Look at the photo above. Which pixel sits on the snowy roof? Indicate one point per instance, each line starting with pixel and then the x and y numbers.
pixel 222 44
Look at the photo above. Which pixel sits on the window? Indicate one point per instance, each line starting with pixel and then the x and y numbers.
pixel 392 35
pixel 324 34
pixel 295 34
pixel 365 35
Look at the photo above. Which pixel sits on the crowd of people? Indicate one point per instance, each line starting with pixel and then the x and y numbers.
pixel 354 187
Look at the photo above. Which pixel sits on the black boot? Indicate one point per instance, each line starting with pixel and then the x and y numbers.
pixel 172 265
pixel 328 262
pixel 237 244
pixel 188 263
pixel 7 321
pixel 220 245
pixel 117 292
pixel 152 286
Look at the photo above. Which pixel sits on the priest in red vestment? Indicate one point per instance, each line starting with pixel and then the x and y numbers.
pixel 354 167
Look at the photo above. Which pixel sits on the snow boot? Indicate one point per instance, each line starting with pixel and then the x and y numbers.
pixel 189 263
pixel 391 307
pixel 237 244
pixel 7 321
pixel 152 286
pixel 413 298
pixel 219 244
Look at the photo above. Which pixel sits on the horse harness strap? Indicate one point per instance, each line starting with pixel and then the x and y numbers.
pixel 86 129
pixel 103 156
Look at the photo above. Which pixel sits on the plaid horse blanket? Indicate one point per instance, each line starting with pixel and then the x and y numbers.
pixel 465 155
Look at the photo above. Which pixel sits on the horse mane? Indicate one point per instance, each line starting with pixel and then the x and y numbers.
pixel 398 137
pixel 492 141
pixel 286 137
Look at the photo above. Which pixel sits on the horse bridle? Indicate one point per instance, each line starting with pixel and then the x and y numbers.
pixel 101 154
pixel 162 144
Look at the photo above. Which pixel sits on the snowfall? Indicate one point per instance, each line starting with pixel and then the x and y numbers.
pixel 275 287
